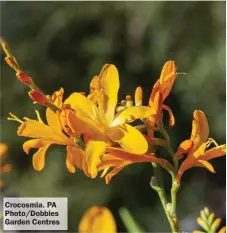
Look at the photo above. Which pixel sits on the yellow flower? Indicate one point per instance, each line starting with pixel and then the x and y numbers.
pixel 97 219
pixel 101 124
pixel 47 134
pixel 119 159
pixel 7 167
pixel 160 91
pixel 197 145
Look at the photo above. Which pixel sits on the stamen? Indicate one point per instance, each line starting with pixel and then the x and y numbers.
pixel 104 172
pixel 38 116
pixel 14 118
pixel 210 141
pixel 181 73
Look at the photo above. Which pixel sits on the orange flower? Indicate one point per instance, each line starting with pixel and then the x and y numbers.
pixel 160 91
pixel 7 167
pixel 119 159
pixel 97 219
pixel 47 134
pixel 196 146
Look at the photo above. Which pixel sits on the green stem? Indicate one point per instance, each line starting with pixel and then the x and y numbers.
pixel 169 148
pixel 157 185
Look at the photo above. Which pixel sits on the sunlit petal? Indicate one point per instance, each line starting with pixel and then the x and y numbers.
pixel 131 114
pixel 185 147
pixel 53 120
pixel 36 129
pixel 167 78
pixel 94 152
pixel 109 81
pixel 138 96
pixel 34 143
pixel 38 159
pixel 205 164
pixel 81 124
pixel 214 153
pixel 129 138
pixel 82 105
pixel 200 128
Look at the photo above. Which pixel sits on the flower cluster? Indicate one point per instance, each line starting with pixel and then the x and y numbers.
pixel 97 131
pixel 209 223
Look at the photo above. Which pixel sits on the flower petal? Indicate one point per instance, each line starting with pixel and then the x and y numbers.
pixel 81 104
pixel 82 124
pixel 187 163
pixel 171 116
pixel 138 96
pixel 36 129
pixel 214 153
pixel 185 147
pixel 109 83
pixel 167 78
pixel 113 172
pixel 132 114
pixel 38 159
pixel 34 143
pixel 69 161
pixel 200 128
pixel 129 138
pixel 57 97
pixel 118 158
pixel 97 219
pixel 53 120
pixel 191 162
pixel 205 164
pixel 76 156
pixel 93 153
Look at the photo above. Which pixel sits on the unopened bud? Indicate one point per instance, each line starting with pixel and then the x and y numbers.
pixel 12 63
pixel 215 225
pixel 24 78
pixel 138 96
pixel 206 211
pixel 129 101
pixel 153 181
pixel 39 98
pixel 202 224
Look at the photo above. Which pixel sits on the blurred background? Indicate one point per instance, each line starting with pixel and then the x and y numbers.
pixel 64 44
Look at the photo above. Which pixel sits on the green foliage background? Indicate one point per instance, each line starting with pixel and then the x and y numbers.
pixel 64 44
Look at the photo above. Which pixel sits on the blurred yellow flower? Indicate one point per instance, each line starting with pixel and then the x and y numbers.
pixel 3 168
pixel 100 124
pixel 97 219
pixel 48 134
pixel 196 146
pixel 209 223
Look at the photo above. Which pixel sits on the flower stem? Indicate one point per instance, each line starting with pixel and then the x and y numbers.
pixel 157 185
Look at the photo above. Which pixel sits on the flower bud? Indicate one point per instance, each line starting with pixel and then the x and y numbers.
pixel 39 97
pixel 129 102
pixel 138 96
pixel 24 78
pixel 12 62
